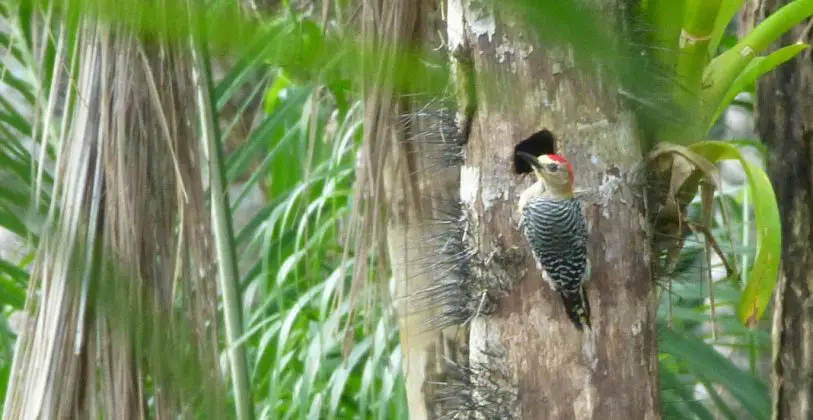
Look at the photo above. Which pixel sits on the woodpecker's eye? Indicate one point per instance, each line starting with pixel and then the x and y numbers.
pixel 553 167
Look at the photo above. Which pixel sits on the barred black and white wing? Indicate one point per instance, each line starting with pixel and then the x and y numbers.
pixel 557 231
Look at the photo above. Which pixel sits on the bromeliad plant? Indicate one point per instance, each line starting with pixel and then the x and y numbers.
pixel 689 35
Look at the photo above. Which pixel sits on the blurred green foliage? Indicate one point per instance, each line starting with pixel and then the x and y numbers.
pixel 301 154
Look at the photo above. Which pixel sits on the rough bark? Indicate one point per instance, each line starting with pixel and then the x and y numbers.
pixel 542 366
pixel 785 122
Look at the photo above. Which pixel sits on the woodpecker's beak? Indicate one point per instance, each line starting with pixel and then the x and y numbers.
pixel 532 160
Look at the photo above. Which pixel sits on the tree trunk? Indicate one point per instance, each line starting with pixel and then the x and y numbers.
pixel 529 360
pixel 785 122
pixel 404 139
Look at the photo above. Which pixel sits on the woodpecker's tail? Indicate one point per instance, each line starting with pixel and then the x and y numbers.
pixel 577 307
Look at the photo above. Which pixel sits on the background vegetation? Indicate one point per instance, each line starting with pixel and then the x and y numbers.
pixel 318 347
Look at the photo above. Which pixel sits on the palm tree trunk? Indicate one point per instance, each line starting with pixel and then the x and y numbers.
pixel 529 360
pixel 404 168
pixel 785 123
pixel 122 302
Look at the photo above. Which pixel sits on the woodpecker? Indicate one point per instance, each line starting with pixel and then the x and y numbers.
pixel 556 228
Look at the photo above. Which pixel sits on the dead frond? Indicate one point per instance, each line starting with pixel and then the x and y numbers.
pixel 123 308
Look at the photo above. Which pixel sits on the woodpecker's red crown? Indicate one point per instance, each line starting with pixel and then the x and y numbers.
pixel 561 159
pixel 552 170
